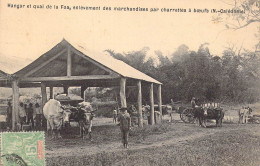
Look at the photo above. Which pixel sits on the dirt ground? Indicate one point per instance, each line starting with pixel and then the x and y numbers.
pixel 174 143
pixel 169 143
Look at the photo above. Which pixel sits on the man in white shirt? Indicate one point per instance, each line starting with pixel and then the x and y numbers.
pixel 22 114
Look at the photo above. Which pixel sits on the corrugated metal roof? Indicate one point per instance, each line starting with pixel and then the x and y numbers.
pixel 116 65
pixel 107 61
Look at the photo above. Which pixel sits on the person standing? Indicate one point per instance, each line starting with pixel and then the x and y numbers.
pixel 22 114
pixel 193 102
pixel 38 112
pixel 30 114
pixel 9 115
pixel 125 123
pixel 26 111
pixel 198 103
pixel 114 115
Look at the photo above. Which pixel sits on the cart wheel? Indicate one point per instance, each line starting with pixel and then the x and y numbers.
pixel 187 116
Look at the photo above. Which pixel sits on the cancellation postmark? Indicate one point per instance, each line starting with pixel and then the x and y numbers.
pixel 22 148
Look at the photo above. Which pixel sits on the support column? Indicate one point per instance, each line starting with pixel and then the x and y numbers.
pixel 51 92
pixel 15 104
pixel 69 62
pixel 44 94
pixel 82 90
pixel 122 92
pixel 44 100
pixel 159 96
pixel 152 104
pixel 139 104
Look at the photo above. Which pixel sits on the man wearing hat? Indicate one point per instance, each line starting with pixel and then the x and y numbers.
pixel 193 102
pixel 125 123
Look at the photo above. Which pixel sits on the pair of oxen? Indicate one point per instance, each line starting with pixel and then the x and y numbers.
pixel 57 115
pixel 204 113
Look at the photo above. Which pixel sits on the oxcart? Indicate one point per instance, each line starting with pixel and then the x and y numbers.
pixel 187 115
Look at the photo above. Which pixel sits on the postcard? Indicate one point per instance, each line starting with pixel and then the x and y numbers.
pixel 129 82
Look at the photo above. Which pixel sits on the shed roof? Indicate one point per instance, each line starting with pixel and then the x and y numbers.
pixel 105 61
pixel 4 79
pixel 3 75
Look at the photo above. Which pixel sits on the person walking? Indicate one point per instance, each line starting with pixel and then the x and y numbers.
pixel 38 112
pixel 9 115
pixel 30 114
pixel 22 115
pixel 125 123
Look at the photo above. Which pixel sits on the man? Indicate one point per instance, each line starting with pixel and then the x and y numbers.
pixel 22 115
pixel 198 103
pixel 193 102
pixel 9 115
pixel 38 112
pixel 26 111
pixel 114 115
pixel 30 115
pixel 125 123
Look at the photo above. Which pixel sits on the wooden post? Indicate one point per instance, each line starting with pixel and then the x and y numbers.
pixel 152 104
pixel 139 104
pixel 51 92
pixel 122 92
pixel 44 94
pixel 159 95
pixel 15 104
pixel 65 90
pixel 82 90
pixel 44 100
pixel 69 62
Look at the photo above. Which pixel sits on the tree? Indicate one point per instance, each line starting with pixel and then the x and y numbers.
pixel 250 14
pixel 234 77
pixel 163 60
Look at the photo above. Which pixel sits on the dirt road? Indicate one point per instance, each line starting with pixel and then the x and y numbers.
pixel 151 141
pixel 164 144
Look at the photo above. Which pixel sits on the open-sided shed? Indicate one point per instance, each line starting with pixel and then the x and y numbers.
pixel 68 64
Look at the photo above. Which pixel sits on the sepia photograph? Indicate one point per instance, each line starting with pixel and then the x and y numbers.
pixel 130 82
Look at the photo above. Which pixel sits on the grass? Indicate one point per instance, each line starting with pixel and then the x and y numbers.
pixel 235 147
pixel 107 134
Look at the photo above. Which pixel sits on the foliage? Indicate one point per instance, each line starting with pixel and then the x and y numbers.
pixel 233 77
pixel 238 20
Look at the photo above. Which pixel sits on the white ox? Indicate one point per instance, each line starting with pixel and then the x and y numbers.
pixel 55 115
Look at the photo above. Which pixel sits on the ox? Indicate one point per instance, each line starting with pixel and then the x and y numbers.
pixel 84 116
pixel 55 115
pixel 207 113
pixel 243 114
pixel 85 124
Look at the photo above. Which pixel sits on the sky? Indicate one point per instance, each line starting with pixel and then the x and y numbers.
pixel 27 33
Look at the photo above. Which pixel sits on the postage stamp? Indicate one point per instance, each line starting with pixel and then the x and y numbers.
pixel 23 149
